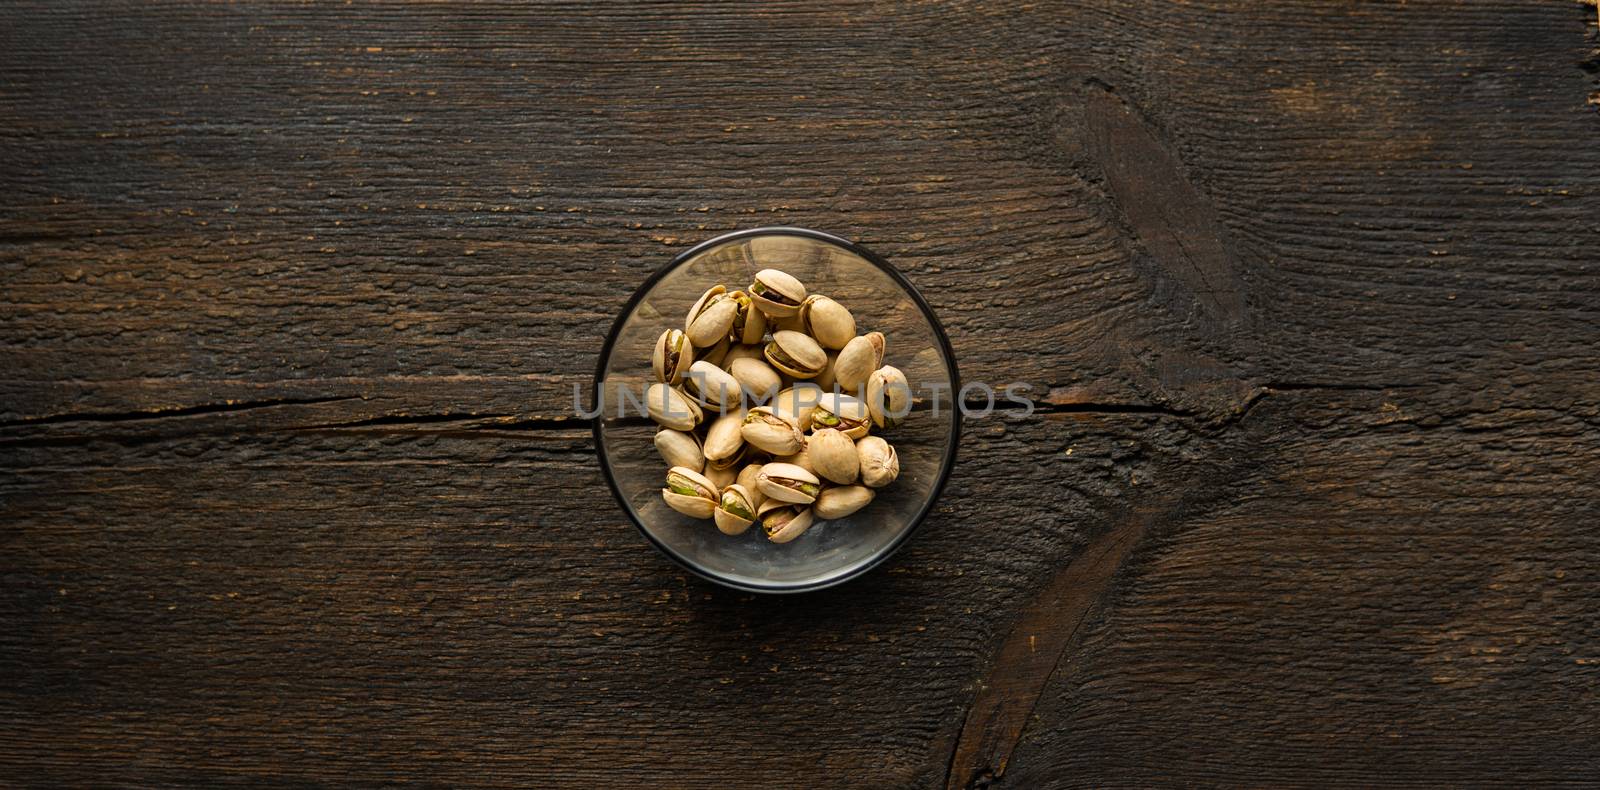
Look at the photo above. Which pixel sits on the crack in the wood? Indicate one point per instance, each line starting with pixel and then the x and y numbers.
pixel 184 411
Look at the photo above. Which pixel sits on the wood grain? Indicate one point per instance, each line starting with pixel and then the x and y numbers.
pixel 295 298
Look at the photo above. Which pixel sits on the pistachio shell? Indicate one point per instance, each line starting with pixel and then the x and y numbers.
pixel 841 501
pixel 788 483
pixel 880 465
pixel 700 304
pixel 721 477
pixel 759 380
pixel 801 459
pixel 678 448
pixel 826 379
pixel 735 510
pixel 689 492
pixel 723 441
pixel 713 387
pixel 796 354
pixel 827 321
pixel 833 456
pixel 843 412
pixel 797 403
pixel 888 396
pixel 857 360
pixel 747 479
pixel 789 323
pixel 782 522
pixel 738 351
pixel 716 355
pixel 772 432
pixel 715 321
pixel 776 293
pixel 750 324
pixel 671 408
pixel 672 356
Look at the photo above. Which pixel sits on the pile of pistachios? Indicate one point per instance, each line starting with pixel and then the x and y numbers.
pixel 758 420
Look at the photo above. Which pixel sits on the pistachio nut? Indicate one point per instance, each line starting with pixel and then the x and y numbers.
pixel 841 501
pixel 747 479
pixel 782 522
pixel 827 321
pixel 797 403
pixel 749 324
pixel 723 443
pixel 857 360
pixel 826 380
pixel 713 387
pixel 788 483
pixel 843 412
pixel 720 477
pixel 689 492
pixel 672 357
pixel 888 396
pixel 767 430
pixel 758 379
pixel 671 408
pixel 678 448
pixel 735 511
pixel 880 465
pixel 833 456
pixel 776 293
pixel 796 354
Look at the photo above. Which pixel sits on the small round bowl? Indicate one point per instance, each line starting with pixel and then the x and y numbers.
pixel 881 300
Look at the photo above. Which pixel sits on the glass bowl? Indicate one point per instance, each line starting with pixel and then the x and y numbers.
pixel 881 299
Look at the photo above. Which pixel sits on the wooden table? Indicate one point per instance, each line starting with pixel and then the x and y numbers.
pixel 296 297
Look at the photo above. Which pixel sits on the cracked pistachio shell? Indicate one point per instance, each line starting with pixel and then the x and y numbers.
pixel 723 441
pixel 712 294
pixel 715 321
pixel 758 379
pixel 720 477
pixel 827 321
pixel 796 354
pixel 857 360
pixel 713 387
pixel 777 293
pixel 735 510
pixel 670 408
pixel 833 456
pixel 797 403
pixel 749 324
pixel 689 492
pixel 841 501
pixel 788 483
pixel 747 479
pixel 782 522
pixel 849 415
pixel 880 465
pixel 678 448
pixel 888 396
pixel 771 432
pixel 672 356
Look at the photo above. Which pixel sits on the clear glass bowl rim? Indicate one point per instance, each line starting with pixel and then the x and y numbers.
pixel 947 464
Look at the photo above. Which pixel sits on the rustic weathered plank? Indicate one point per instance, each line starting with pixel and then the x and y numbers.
pixel 295 298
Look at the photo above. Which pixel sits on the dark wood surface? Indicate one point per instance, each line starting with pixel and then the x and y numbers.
pixel 295 298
